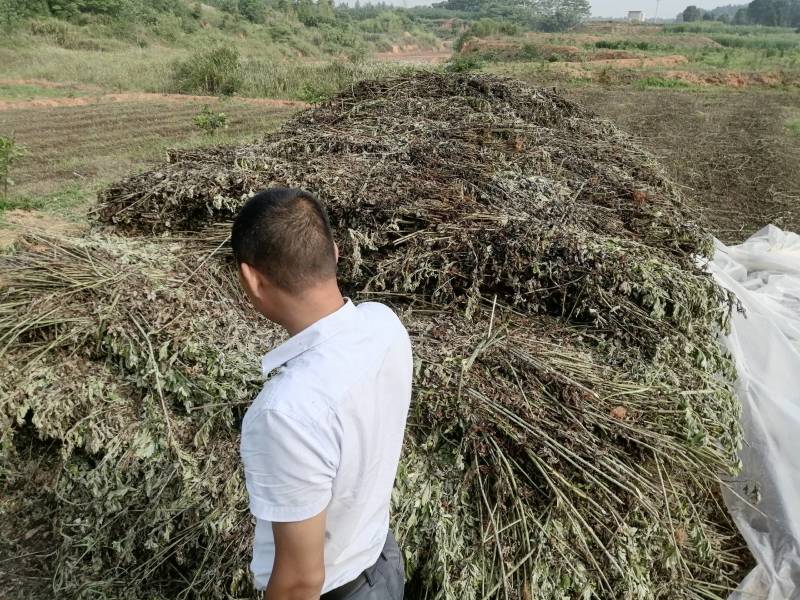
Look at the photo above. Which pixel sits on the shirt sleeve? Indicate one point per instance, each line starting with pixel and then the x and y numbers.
pixel 289 466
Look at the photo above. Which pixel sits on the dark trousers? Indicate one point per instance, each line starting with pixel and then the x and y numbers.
pixel 385 580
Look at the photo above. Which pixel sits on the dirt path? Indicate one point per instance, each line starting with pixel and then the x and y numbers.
pixel 104 98
pixel 415 56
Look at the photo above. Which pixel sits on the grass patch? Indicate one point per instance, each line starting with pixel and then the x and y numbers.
pixel 761 42
pixel 309 82
pixel 656 82
pixel 462 64
pixel 152 61
pixel 793 125
pixel 214 71
pixel 32 92
pixel 719 27
pixel 63 202
pixel 626 45
pixel 744 58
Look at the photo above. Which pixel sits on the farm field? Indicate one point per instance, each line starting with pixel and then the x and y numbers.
pixel 717 106
pixel 71 148
pixel 735 150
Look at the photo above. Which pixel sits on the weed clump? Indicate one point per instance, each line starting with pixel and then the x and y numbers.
pixel 216 71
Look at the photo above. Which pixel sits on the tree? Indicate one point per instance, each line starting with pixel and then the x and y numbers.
pixel 794 14
pixel 772 13
pixel 692 13
pixel 740 18
pixel 253 10
pixel 560 15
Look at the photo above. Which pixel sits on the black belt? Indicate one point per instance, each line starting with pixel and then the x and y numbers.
pixel 343 591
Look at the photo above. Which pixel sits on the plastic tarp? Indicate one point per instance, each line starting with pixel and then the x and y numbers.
pixel 764 500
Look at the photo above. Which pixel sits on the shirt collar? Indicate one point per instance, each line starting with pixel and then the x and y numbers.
pixel 311 336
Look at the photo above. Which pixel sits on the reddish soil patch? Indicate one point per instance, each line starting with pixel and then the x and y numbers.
pixel 733 79
pixel 413 55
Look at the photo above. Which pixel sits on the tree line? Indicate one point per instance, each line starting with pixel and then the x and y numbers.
pixel 771 13
pixel 549 15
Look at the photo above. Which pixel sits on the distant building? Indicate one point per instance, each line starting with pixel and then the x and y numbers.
pixel 636 16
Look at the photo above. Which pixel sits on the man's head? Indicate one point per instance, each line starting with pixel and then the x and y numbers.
pixel 284 247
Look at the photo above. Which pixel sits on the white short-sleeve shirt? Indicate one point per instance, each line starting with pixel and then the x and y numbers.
pixel 326 432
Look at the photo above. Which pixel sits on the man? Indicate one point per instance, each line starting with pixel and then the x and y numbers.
pixel 321 442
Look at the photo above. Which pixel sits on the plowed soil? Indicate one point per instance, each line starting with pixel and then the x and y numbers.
pixel 731 149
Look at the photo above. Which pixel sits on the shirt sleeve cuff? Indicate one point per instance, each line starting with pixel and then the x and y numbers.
pixel 286 514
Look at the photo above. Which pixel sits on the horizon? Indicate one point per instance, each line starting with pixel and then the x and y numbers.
pixel 667 9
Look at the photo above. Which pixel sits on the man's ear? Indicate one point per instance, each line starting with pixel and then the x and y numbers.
pixel 252 280
pixel 336 251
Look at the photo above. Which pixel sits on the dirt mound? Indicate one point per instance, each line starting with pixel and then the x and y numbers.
pixel 572 409
pixel 734 79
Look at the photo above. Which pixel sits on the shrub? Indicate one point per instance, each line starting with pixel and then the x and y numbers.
pixel 624 45
pixel 215 71
pixel 461 64
pixel 487 27
pixel 209 121
pixel 661 82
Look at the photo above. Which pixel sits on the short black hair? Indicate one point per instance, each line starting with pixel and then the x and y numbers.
pixel 285 234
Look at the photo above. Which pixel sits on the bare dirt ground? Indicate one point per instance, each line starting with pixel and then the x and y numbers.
pixel 78 144
pixel 18 222
pixel 730 149
pixel 411 54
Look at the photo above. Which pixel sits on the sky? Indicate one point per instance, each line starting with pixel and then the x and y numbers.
pixel 667 8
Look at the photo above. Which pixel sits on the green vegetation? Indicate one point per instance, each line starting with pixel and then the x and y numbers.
pixel 483 28
pixel 660 83
pixel 209 121
pixel 625 45
pixel 706 27
pixel 462 64
pixel 62 202
pixel 542 15
pixel 29 91
pixel 762 42
pixel 771 13
pixel 216 71
pixel 793 125
pixel 206 49
pixel 10 151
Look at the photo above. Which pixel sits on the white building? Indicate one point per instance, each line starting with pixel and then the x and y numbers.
pixel 636 16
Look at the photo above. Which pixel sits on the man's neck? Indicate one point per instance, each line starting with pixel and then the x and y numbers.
pixel 315 304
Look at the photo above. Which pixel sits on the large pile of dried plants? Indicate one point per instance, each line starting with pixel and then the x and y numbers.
pixel 572 410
